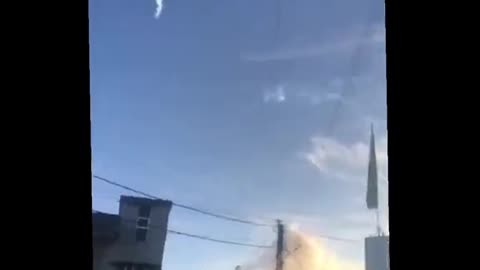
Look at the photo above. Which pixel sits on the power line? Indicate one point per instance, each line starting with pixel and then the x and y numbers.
pixel 125 187
pixel 212 214
pixel 337 238
pixel 150 226
pixel 217 240
pixel 331 237
pixel 220 216
pixel 208 213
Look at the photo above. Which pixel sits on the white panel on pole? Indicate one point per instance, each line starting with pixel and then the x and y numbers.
pixel 376 253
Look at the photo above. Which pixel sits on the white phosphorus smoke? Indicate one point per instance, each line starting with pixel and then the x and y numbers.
pixel 159 8
pixel 303 252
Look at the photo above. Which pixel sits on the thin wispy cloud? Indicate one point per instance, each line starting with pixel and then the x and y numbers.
pixel 362 102
pixel 346 44
pixel 327 97
pixel 294 53
pixel 317 98
pixel 314 94
pixel 158 10
pixel 275 95
pixel 345 161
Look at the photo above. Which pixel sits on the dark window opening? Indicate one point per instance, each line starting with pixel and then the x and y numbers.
pixel 124 266
pixel 142 222
pixel 134 266
pixel 144 211
pixel 141 234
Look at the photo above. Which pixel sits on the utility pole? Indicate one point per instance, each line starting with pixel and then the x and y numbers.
pixel 280 247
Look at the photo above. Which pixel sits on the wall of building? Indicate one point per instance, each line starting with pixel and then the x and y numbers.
pixel 376 253
pixel 99 250
pixel 126 248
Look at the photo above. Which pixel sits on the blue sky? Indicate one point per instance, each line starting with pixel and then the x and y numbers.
pixel 228 105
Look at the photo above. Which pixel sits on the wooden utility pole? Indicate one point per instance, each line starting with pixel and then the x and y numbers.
pixel 280 247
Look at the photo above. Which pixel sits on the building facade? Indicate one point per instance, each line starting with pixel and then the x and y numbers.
pixel 377 255
pixel 134 239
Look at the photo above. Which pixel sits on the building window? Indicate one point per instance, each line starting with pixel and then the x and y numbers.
pixel 141 235
pixel 124 266
pixel 143 222
pixel 134 266
pixel 144 211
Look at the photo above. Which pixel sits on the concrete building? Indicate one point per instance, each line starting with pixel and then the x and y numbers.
pixel 377 253
pixel 134 239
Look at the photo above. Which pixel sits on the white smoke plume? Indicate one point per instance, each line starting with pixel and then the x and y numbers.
pixel 303 252
pixel 158 11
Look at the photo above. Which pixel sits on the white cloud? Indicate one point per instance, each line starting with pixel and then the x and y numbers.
pixel 344 44
pixel 319 93
pixel 275 95
pixel 327 97
pixel 159 8
pixel 319 98
pixel 346 161
pixel 333 96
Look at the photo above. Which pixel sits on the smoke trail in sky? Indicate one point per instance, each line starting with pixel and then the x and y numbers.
pixel 158 11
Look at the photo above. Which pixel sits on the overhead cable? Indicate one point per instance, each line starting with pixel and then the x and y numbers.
pixel 208 213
